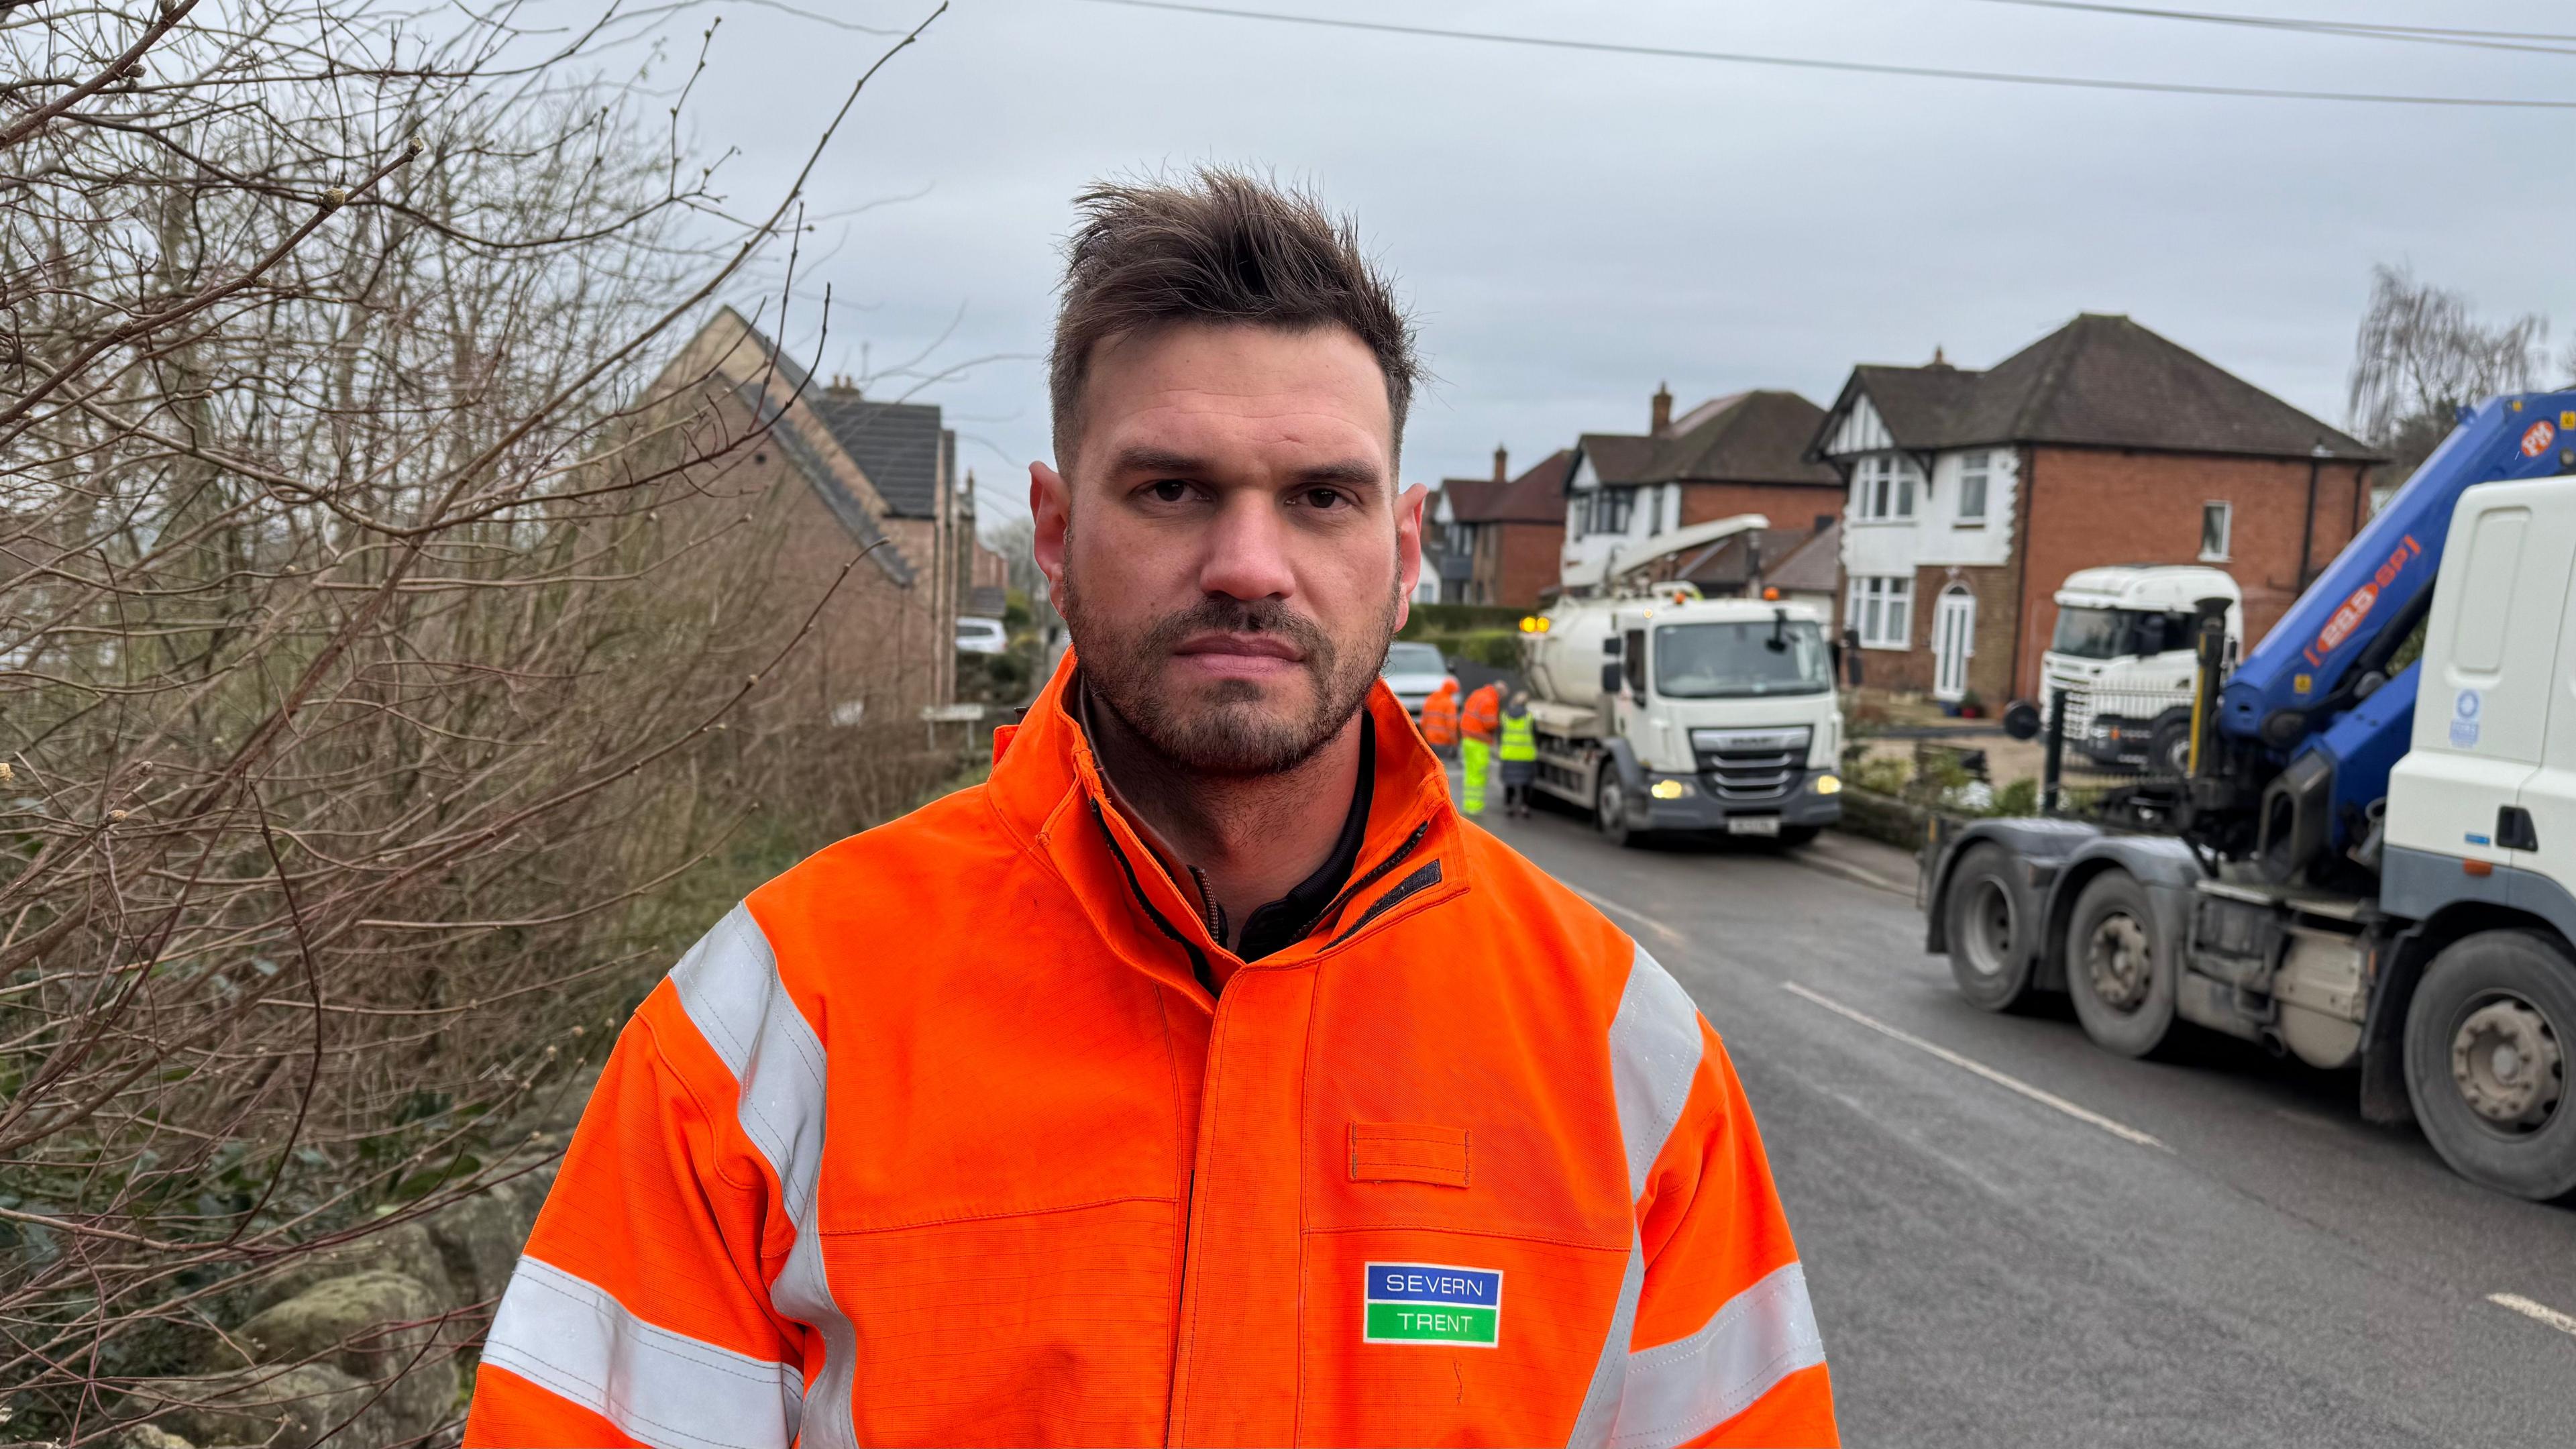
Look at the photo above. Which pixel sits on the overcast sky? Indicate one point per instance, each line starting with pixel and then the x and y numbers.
pixel 1574 228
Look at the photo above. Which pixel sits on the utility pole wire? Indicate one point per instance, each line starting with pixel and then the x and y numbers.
pixel 2353 29
pixel 1789 62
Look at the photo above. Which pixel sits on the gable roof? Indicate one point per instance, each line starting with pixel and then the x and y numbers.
pixel 898 445
pixel 1750 437
pixel 1470 500
pixel 1537 496
pixel 2098 381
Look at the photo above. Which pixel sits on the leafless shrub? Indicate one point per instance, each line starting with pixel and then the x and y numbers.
pixel 358 700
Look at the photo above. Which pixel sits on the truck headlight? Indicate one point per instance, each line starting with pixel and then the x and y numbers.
pixel 1828 785
pixel 1669 789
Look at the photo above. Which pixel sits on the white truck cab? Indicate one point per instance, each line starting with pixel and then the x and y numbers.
pixel 2122 652
pixel 2484 802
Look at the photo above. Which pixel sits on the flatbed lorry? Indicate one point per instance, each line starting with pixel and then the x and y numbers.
pixel 2370 859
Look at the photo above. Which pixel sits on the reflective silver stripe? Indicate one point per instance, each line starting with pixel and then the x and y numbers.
pixel 1681 1390
pixel 661 1388
pixel 729 986
pixel 1654 1054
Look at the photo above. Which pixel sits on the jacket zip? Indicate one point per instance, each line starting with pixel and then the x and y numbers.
pixel 1207 1078
pixel 1376 874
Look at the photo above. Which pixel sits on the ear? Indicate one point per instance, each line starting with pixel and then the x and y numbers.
pixel 1408 548
pixel 1051 505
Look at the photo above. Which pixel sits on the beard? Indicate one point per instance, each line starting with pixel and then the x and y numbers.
pixel 1229 727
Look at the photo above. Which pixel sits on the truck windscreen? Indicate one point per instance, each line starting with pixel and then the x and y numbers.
pixel 1720 661
pixel 2097 633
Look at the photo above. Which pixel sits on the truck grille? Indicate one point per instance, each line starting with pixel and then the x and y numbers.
pixel 1750 765
pixel 2079 701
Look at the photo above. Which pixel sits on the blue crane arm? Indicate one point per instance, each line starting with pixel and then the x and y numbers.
pixel 2377 581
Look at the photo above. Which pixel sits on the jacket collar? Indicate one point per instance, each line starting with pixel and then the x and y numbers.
pixel 1048 788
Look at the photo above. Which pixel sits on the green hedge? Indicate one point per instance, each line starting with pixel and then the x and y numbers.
pixel 1498 648
pixel 1427 620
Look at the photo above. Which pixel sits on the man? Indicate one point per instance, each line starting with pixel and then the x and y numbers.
pixel 1518 751
pixel 1201 1077
pixel 1478 721
pixel 1440 716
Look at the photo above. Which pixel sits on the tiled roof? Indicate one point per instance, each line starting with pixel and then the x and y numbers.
pixel 1752 437
pixel 2099 381
pixel 1812 567
pixel 898 445
pixel 1537 496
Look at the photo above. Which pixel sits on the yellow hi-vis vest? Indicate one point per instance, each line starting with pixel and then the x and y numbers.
pixel 1520 739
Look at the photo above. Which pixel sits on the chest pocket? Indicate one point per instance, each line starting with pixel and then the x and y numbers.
pixel 1411 1152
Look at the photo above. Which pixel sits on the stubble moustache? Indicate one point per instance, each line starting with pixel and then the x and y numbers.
pixel 1226 727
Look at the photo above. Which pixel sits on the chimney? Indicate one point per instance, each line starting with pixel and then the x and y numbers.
pixel 1502 471
pixel 1663 409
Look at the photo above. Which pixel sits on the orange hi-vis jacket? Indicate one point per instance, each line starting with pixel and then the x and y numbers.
pixel 1481 717
pixel 1440 714
pixel 939 1139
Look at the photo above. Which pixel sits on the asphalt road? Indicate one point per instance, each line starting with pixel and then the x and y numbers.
pixel 2212 1250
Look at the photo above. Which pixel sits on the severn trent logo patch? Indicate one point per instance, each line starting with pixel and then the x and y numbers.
pixel 1432 1303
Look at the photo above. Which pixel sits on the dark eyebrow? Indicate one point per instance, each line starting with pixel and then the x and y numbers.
pixel 1145 458
pixel 1358 472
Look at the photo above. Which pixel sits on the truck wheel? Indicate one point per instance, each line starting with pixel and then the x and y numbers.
pixel 2488 1037
pixel 2120 976
pixel 1610 808
pixel 2169 748
pixel 1986 918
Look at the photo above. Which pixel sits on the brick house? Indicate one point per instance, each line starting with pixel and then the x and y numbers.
pixel 1972 495
pixel 1745 453
pixel 1499 536
pixel 796 480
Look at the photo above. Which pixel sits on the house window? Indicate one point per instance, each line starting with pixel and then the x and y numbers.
pixel 1882 609
pixel 1973 472
pixel 1884 488
pixel 2217 521
pixel 1610 510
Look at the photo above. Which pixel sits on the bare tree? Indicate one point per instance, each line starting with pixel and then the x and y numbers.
pixel 2422 353
pixel 351 725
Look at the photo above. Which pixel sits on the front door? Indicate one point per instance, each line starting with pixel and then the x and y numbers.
pixel 1954 635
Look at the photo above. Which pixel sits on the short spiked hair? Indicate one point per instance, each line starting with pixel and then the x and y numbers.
pixel 1220 246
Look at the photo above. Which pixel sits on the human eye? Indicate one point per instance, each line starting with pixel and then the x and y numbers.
pixel 1168 490
pixel 1321 499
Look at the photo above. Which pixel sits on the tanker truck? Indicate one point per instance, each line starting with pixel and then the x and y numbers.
pixel 1659 710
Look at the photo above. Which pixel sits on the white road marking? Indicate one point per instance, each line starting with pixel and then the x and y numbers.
pixel 1819 857
pixel 2541 1312
pixel 1671 936
pixel 2048 1099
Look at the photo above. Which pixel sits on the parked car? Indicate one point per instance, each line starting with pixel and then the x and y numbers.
pixel 981 636
pixel 1413 671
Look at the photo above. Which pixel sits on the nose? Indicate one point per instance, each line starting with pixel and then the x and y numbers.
pixel 1247 550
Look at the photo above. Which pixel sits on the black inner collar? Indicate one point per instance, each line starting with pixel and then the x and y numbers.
pixel 1278 924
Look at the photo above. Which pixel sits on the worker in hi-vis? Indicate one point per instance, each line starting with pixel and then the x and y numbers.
pixel 1201 1076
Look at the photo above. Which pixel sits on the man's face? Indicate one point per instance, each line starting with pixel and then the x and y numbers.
pixel 1228 545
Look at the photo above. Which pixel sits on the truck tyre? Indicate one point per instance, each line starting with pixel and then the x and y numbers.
pixel 2488 1041
pixel 2120 974
pixel 2169 747
pixel 1987 918
pixel 1610 807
